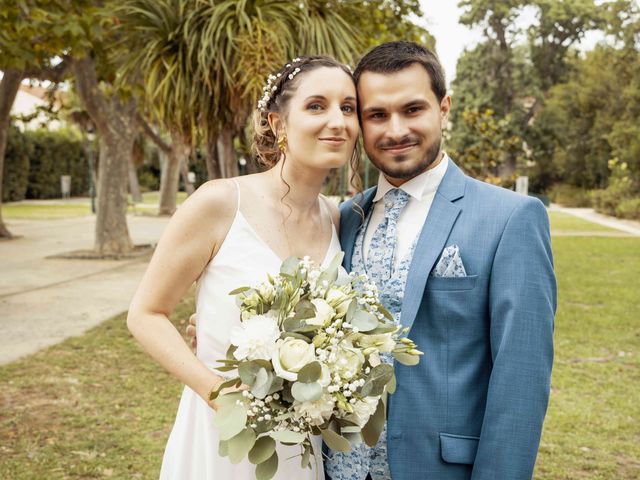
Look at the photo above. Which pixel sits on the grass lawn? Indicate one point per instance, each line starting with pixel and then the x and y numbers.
pixel 565 222
pixel 96 406
pixel 58 209
pixel 41 211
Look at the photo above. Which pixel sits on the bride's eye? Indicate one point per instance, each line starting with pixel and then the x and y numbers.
pixel 348 108
pixel 314 106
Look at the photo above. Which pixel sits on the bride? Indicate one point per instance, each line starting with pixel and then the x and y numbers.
pixel 232 232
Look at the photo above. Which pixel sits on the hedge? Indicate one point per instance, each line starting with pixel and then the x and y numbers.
pixel 35 161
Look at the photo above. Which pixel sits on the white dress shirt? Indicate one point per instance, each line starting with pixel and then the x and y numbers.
pixel 422 190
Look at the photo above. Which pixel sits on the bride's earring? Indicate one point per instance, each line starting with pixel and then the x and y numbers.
pixel 282 142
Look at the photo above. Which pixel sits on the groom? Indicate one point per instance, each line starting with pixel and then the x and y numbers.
pixel 468 267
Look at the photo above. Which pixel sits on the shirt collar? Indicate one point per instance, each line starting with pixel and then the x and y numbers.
pixel 419 186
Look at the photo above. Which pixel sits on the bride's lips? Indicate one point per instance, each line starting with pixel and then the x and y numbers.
pixel 399 149
pixel 333 141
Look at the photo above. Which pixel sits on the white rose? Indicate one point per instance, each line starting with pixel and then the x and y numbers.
pixel 255 338
pixel 324 313
pixel 348 362
pixel 338 300
pixel 292 354
pixel 362 410
pixel 319 410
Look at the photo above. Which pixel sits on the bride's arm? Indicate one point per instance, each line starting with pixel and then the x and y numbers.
pixel 189 241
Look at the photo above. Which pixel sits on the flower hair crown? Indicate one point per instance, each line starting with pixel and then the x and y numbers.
pixel 270 88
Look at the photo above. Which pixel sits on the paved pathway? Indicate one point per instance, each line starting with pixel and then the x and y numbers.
pixel 45 300
pixel 589 214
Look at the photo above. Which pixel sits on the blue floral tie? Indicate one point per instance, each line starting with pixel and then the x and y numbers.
pixel 383 243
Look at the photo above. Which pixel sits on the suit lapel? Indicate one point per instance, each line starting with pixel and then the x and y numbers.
pixel 435 231
pixel 351 221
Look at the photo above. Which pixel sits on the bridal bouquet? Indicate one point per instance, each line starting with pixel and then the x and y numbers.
pixel 309 352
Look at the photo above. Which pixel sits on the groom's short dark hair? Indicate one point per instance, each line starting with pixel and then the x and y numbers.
pixel 391 57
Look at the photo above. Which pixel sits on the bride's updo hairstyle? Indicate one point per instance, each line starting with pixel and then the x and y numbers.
pixel 276 97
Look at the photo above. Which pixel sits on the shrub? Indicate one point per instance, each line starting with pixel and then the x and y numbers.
pixel 570 196
pixel 55 154
pixel 621 189
pixel 16 166
pixel 629 208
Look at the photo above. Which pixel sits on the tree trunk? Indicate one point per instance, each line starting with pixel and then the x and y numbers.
pixel 9 86
pixel 116 124
pixel 184 173
pixel 134 185
pixel 211 158
pixel 227 156
pixel 170 174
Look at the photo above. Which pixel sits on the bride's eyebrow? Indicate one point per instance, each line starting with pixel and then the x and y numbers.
pixel 322 97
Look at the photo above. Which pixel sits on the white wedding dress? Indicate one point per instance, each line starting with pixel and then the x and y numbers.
pixel 192 450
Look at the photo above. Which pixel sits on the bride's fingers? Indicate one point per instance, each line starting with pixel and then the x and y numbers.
pixel 191 334
pixel 192 320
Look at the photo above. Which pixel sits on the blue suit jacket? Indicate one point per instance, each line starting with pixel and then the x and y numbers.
pixel 475 404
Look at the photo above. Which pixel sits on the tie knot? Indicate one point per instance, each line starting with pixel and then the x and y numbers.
pixel 394 201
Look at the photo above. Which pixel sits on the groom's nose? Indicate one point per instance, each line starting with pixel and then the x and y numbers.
pixel 396 127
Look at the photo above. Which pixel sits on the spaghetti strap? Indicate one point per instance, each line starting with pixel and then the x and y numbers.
pixel 326 209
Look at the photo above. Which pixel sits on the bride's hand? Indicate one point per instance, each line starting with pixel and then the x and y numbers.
pixel 191 332
pixel 213 403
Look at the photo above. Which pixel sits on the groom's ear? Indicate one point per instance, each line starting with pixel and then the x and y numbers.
pixel 445 108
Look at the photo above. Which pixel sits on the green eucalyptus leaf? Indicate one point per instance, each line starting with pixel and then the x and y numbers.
pixel 223 448
pixel 383 328
pixel 267 469
pixel 287 436
pixel 262 384
pixel 276 385
pixel 262 450
pixel 373 428
pixel 228 399
pixel 335 441
pixel 240 445
pixel 385 312
pixel 351 310
pixel 230 420
pixel 239 290
pixel 330 274
pixel 230 350
pixel 311 372
pixel 290 266
pixel 304 309
pixel 306 392
pixel 364 321
pixel 391 386
pixel 377 379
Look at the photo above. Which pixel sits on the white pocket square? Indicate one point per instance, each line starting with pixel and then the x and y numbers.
pixel 450 264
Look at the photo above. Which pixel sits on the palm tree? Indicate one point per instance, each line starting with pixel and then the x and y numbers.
pixel 156 58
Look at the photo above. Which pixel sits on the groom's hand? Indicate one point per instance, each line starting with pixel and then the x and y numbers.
pixel 191 331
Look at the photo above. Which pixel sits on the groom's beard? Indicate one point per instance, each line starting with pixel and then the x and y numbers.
pixel 401 167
